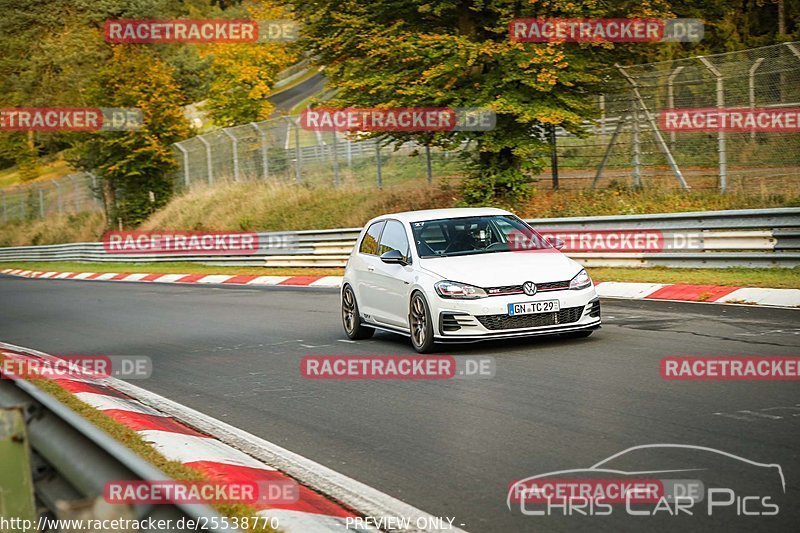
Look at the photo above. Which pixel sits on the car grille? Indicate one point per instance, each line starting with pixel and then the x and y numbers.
pixel 505 290
pixel 565 316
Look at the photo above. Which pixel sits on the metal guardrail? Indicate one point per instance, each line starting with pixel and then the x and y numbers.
pixel 72 461
pixel 749 237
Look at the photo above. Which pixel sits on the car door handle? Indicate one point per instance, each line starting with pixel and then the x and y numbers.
pixel 371 268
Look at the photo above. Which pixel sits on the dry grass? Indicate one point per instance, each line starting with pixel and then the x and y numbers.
pixel 262 206
pixel 621 201
pixel 270 206
pixel 47 170
pixel 81 227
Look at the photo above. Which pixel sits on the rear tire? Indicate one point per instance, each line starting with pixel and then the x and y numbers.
pixel 351 319
pixel 420 324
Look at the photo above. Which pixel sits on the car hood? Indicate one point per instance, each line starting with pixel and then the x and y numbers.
pixel 503 268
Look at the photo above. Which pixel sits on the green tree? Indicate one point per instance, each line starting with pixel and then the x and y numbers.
pixel 457 53
pixel 135 167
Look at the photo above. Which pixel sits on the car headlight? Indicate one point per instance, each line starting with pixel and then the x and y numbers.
pixel 452 289
pixel 580 281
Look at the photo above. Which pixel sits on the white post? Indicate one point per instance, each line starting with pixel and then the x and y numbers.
pixel 208 159
pixel 721 144
pixel 671 99
pixel 752 88
pixel 185 164
pixel 235 148
pixel 263 141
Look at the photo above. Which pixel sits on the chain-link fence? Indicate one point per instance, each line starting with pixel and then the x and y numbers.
pixel 626 144
pixel 42 199
pixel 630 144
pixel 281 150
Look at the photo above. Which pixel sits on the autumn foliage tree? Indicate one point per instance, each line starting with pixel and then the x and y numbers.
pixel 243 74
pixel 136 167
pixel 458 53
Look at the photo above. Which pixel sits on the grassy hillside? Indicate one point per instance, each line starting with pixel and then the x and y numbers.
pixel 56 168
pixel 263 206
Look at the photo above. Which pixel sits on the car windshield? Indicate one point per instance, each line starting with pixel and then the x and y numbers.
pixel 474 235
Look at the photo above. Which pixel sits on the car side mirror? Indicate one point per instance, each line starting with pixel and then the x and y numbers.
pixel 555 242
pixel 394 257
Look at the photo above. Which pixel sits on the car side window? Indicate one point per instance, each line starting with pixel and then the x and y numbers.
pixel 394 238
pixel 369 244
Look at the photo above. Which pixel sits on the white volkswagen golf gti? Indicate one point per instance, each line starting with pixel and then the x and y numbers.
pixel 463 275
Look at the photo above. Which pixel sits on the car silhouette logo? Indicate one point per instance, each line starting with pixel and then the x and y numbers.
pixel 529 288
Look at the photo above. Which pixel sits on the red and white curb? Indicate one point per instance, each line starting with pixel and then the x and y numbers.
pixel 606 289
pixel 225 279
pixel 700 293
pixel 224 453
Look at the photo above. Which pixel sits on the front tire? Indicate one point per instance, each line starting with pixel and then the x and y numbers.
pixel 420 324
pixel 351 319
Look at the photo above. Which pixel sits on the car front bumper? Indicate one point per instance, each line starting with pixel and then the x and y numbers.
pixel 487 318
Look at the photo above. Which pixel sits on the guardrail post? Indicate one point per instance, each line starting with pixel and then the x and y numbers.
pixel 185 153
pixel 751 85
pixel 209 165
pixel 721 144
pixel 263 142
pixel 235 148
pixel 41 202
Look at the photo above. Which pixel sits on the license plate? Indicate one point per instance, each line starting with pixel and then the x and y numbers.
pixel 531 308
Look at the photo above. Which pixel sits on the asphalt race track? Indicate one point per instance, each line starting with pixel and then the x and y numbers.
pixel 448 447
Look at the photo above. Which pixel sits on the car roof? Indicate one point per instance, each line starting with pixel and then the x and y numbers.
pixel 435 214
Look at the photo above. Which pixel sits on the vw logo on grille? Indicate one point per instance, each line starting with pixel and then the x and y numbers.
pixel 529 288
